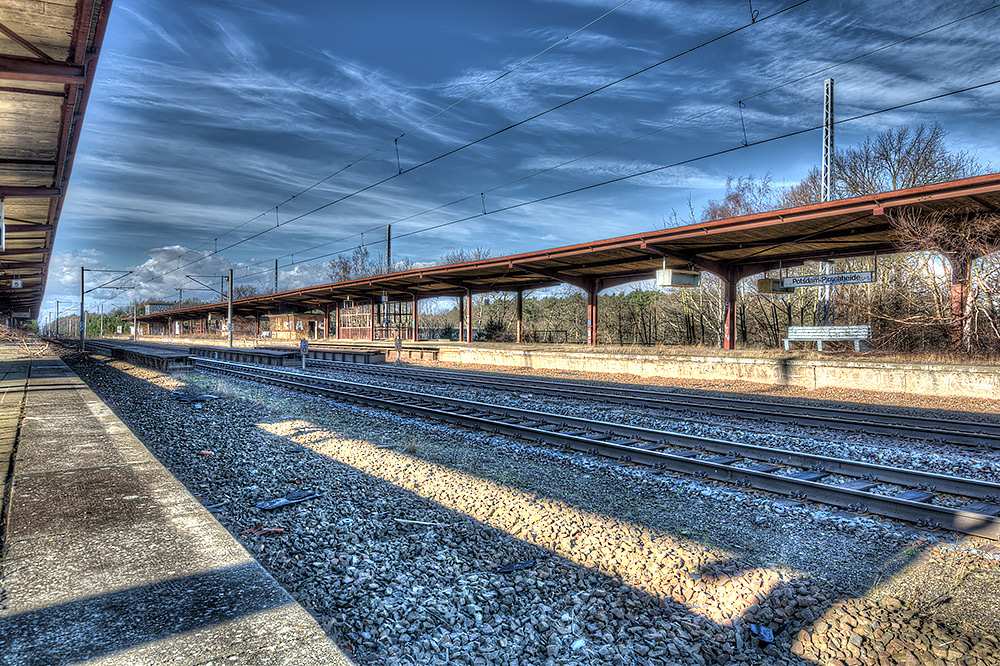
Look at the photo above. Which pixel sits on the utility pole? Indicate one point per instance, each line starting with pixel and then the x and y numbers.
pixel 180 297
pixel 388 249
pixel 102 320
pixel 83 319
pixel 135 323
pixel 57 320
pixel 275 276
pixel 229 315
pixel 827 193
pixel 825 309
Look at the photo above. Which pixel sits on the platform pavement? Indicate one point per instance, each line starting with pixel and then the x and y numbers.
pixel 109 560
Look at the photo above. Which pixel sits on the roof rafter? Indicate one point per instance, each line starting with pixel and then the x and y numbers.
pixel 24 43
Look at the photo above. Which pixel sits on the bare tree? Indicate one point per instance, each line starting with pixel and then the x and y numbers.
pixel 961 237
pixel 358 264
pixel 675 220
pixel 808 191
pixel 244 291
pixel 462 255
pixel 900 158
pixel 744 196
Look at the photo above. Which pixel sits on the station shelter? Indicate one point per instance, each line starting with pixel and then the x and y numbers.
pixel 733 249
pixel 292 326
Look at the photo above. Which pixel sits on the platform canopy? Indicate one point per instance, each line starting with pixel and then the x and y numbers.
pixel 731 248
pixel 48 54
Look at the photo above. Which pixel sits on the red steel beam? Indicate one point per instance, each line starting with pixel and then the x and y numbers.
pixel 27 161
pixel 32 91
pixel 21 192
pixel 28 228
pixel 15 68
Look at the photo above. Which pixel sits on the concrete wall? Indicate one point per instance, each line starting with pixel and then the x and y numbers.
pixel 925 379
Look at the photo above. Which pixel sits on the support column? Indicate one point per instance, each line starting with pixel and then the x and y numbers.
pixel 461 318
pixel 256 325
pixel 326 323
pixel 520 315
pixel 594 287
pixel 416 327
pixel 336 318
pixel 371 320
pixel 230 325
pixel 961 271
pixel 729 284
pixel 468 315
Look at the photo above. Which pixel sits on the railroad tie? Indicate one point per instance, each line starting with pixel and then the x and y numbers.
pixel 984 508
pixel 859 485
pixel 917 496
pixel 809 476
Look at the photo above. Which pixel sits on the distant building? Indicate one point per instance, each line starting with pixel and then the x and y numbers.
pixel 154 307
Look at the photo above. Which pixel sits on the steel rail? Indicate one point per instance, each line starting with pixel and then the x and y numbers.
pixel 951 431
pixel 918 427
pixel 543 427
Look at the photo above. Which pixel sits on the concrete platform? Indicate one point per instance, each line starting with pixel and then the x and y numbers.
pixel 934 379
pixel 109 560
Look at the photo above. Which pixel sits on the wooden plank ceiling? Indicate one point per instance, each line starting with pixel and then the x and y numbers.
pixel 48 53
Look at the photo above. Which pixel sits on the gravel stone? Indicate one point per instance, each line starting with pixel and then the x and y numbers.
pixel 396 556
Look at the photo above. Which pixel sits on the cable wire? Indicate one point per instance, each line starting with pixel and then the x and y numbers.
pixel 646 172
pixel 492 134
pixel 418 125
pixel 633 139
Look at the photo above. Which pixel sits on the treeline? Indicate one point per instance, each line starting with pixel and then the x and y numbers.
pixel 68 326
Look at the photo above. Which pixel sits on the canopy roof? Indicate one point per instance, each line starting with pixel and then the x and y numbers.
pixel 732 248
pixel 48 53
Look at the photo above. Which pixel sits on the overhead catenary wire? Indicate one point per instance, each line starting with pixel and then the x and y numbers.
pixel 420 124
pixel 662 128
pixel 486 137
pixel 745 97
pixel 646 172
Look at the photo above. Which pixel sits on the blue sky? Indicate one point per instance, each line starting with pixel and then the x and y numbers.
pixel 206 114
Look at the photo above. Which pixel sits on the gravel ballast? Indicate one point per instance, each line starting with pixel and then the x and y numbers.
pixel 397 558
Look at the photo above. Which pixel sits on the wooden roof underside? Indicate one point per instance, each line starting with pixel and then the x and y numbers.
pixel 48 53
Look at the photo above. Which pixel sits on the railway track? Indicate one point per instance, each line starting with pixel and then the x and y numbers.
pixel 837 482
pixel 965 433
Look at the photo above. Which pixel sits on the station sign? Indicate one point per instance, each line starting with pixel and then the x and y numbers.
pixel 21 315
pixel 857 277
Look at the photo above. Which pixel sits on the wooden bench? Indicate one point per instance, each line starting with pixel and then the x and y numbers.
pixel 821 334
